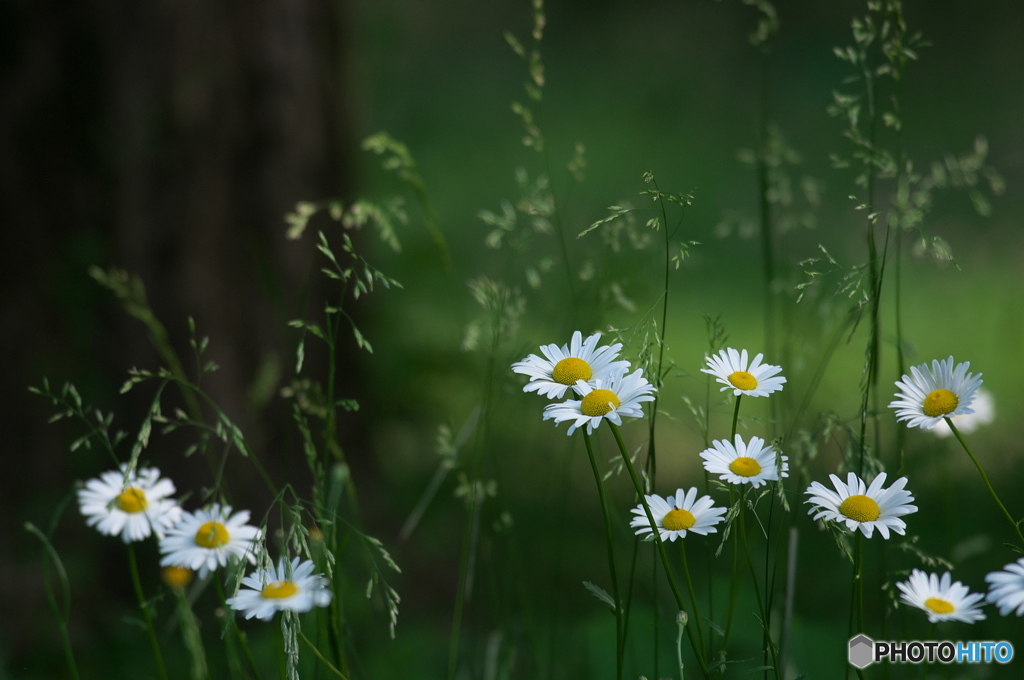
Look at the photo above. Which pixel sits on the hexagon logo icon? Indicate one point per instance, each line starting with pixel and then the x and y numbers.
pixel 862 651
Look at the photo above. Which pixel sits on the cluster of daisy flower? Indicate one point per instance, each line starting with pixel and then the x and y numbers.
pixel 607 390
pixel 590 372
pixel 927 397
pixel 136 503
pixel 735 462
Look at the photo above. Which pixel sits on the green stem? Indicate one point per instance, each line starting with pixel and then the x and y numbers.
pixel 693 594
pixel 652 464
pixel 239 635
pixel 137 582
pixel 323 659
pixel 855 623
pixel 62 613
pixel 681 620
pixel 657 539
pixel 619 642
pixel 858 580
pixel 732 581
pixel 984 478
pixel 757 591
pixel 735 418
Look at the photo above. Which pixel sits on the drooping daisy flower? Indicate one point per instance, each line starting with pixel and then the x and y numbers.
pixel 562 366
pixel 863 507
pixel 675 515
pixel 206 539
pixel 984 413
pixel 268 591
pixel 133 505
pixel 1006 588
pixel 940 599
pixel 620 395
pixel 740 463
pixel 927 396
pixel 756 380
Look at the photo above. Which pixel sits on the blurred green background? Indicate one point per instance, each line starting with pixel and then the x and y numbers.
pixel 171 140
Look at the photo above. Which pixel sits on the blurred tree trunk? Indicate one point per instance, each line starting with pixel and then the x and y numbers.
pixel 167 138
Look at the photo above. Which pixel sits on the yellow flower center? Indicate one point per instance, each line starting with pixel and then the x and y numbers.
pixel 939 403
pixel 860 508
pixel 744 466
pixel 599 402
pixel 678 520
pixel 132 500
pixel 939 606
pixel 743 381
pixel 176 577
pixel 212 535
pixel 278 590
pixel 569 370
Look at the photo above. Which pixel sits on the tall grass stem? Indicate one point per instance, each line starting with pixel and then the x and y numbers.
pixel 657 539
pixel 133 566
pixel 609 538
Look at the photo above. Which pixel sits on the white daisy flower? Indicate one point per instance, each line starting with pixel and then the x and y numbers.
pixel 675 515
pixel 984 413
pixel 940 599
pixel 740 463
pixel 756 380
pixel 863 507
pixel 620 395
pixel 268 591
pixel 562 366
pixel 927 396
pixel 206 539
pixel 133 505
pixel 1006 588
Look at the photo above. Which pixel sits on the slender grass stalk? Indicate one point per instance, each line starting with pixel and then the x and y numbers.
pixel 767 237
pixel 657 539
pixel 984 478
pixel 629 590
pixel 321 657
pixel 735 545
pixel 769 579
pixel 692 593
pixel 190 634
pixel 735 418
pixel 858 582
pixel 757 591
pixel 901 432
pixel 560 229
pixel 239 635
pixel 471 529
pixel 855 621
pixel 61 613
pixel 733 580
pixel 468 542
pixel 619 641
pixel 137 583
pixel 652 460
pixel 656 609
pixel 787 619
pixel 706 427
